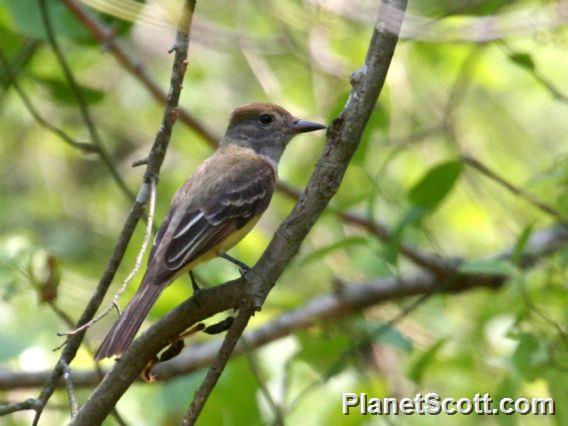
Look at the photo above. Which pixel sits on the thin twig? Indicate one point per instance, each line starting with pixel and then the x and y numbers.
pixel 217 366
pixel 255 370
pixel 554 91
pixel 429 261
pixel 81 102
pixel 133 272
pixel 462 83
pixel 486 171
pixel 28 404
pixel 106 38
pixel 21 59
pixel 455 96
pixel 155 160
pixel 86 147
pixel 344 356
pixel 73 405
pixel 66 318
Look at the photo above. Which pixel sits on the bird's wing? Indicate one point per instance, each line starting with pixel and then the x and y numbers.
pixel 234 196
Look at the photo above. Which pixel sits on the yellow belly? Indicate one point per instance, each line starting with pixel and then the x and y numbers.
pixel 222 247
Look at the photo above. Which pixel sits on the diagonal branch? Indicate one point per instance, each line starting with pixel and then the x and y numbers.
pixel 28 404
pixel 218 365
pixel 251 291
pixel 344 137
pixel 486 171
pixel 85 147
pixel 81 101
pixel 106 38
pixel 73 405
pixel 154 163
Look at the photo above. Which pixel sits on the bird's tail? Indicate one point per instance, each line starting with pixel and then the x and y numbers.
pixel 124 329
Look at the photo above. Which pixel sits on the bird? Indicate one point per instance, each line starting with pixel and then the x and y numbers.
pixel 216 207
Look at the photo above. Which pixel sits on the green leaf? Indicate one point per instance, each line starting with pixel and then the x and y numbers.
pixel 435 185
pixel 386 334
pixel 530 357
pixel 524 60
pixel 322 351
pixel 24 17
pixel 235 397
pixel 394 337
pixel 420 365
pixel 510 385
pixel 412 217
pixel 322 252
pixel 521 244
pixel 562 203
pixel 487 266
pixel 378 122
pixel 61 92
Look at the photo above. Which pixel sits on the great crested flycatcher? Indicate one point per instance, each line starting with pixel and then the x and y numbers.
pixel 217 206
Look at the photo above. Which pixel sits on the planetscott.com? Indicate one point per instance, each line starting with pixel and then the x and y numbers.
pixel 433 404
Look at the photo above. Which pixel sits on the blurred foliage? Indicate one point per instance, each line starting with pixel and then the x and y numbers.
pixel 503 102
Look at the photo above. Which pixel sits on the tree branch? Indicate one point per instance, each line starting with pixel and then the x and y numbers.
pixel 28 404
pixel 217 366
pixel 343 140
pixel 81 102
pixel 486 171
pixel 106 38
pixel 85 147
pixel 329 307
pixel 133 272
pixel 73 405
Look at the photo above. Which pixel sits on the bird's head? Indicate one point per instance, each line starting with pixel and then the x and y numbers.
pixel 265 128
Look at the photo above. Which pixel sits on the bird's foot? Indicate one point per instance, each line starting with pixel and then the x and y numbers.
pixel 220 326
pixel 243 267
pixel 176 346
pixel 195 287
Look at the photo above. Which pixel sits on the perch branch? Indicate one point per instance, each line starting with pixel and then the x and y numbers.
pixel 329 307
pixel 343 139
pixel 12 407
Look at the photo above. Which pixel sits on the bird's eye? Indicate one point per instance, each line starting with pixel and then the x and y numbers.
pixel 265 119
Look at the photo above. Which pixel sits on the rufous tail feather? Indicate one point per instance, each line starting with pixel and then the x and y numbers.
pixel 124 329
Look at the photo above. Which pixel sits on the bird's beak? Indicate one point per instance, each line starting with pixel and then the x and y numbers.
pixel 301 126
